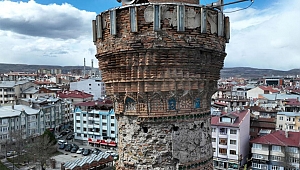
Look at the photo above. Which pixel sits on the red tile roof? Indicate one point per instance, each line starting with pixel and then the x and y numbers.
pixel 268 88
pixel 73 94
pixel 94 103
pixel 278 138
pixel 293 102
pixel 215 121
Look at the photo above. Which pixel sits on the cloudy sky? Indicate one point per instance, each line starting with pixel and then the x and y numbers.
pixel 58 32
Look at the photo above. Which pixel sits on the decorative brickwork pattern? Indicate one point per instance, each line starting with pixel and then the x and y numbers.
pixel 161 80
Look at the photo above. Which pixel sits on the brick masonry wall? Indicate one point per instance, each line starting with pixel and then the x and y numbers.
pixel 161 83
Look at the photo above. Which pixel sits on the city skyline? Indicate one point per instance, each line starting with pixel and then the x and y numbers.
pixel 58 32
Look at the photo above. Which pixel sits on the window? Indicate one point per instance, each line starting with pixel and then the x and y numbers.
pixel 257 146
pixel 291 127
pixel 89 84
pixel 232 131
pixel 256 165
pixel 257 156
pixel 293 160
pixel 214 149
pixel 213 139
pixel 280 126
pixel 104 124
pixel 274 167
pixel 223 131
pixel 156 22
pixel 223 142
pixel 78 128
pixel 112 132
pixel 281 118
pixel 222 151
pixel 275 158
pixel 292 149
pixel 103 116
pixel 77 121
pixel 180 18
pixel 112 117
pixel 233 142
pixel 276 148
pixel 112 124
pixel 232 152
pixel 213 129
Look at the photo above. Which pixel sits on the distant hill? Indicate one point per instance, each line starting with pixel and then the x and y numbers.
pixel 248 72
pixel 5 68
pixel 245 72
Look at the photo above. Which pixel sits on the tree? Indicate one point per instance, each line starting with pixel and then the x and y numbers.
pixel 42 148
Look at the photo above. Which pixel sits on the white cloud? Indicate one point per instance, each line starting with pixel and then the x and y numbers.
pixel 32 33
pixel 265 38
pixel 53 34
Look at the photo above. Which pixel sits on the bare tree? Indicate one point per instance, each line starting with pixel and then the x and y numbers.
pixel 41 149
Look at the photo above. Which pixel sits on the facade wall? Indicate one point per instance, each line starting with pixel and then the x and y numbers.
pixel 95 125
pixel 253 93
pixel 90 86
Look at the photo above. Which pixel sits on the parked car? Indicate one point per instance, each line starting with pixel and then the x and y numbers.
pixel 68 130
pixel 86 152
pixel 110 152
pixel 80 150
pixel 70 137
pixel 62 146
pixel 68 147
pixel 74 149
pixel 11 153
pixel 61 141
pixel 63 133
pixel 96 151
pixel 73 145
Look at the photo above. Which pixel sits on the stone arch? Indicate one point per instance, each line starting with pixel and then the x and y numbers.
pixel 130 103
pixel 186 101
pixel 156 103
pixel 142 103
pixel 172 103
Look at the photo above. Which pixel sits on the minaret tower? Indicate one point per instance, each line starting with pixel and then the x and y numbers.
pixel 160 61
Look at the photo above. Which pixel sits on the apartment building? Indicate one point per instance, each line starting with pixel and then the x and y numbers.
pixel 276 151
pixel 30 120
pixel 289 121
pixel 93 86
pixel 75 96
pixel 10 91
pixel 230 139
pixel 92 122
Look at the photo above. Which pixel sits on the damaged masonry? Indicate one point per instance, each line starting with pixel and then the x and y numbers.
pixel 160 62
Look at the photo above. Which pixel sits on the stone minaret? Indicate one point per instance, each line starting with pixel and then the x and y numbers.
pixel 160 61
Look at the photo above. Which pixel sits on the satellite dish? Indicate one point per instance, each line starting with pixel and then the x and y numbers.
pixel 127 2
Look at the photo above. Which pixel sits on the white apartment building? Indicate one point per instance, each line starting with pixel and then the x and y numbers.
pixel 29 120
pixel 95 124
pixel 230 139
pixel 11 90
pixel 288 121
pixel 93 86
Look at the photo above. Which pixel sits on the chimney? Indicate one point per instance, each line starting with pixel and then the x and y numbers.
pixel 83 67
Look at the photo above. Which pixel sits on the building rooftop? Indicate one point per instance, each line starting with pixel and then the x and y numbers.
pixel 238 116
pixel 9 111
pixel 289 113
pixel 7 84
pixel 280 138
pixel 74 94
